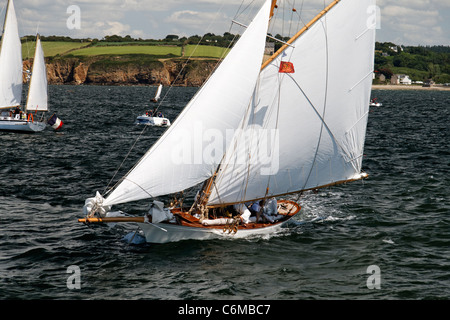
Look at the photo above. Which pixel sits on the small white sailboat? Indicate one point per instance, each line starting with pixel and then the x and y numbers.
pixel 158 94
pixel 296 122
pixel 154 118
pixel 11 69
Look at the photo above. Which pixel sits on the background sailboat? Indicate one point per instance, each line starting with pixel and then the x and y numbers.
pixel 158 94
pixel 37 100
pixel 298 123
pixel 153 117
pixel 11 69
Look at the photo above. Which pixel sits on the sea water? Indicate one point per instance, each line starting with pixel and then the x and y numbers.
pixel 383 238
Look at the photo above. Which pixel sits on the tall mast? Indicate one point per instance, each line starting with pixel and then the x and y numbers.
pixel 274 4
pixel 205 191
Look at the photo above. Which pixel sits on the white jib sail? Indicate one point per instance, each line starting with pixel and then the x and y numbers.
pixel 180 159
pixel 306 129
pixel 38 91
pixel 10 61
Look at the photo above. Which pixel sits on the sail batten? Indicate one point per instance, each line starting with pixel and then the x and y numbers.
pixel 10 61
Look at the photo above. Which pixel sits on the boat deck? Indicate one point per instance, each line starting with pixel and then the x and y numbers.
pixel 286 208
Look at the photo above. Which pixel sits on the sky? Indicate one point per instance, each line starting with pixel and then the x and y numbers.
pixel 406 22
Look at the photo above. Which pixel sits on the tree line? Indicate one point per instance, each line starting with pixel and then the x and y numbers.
pixel 225 40
pixel 431 62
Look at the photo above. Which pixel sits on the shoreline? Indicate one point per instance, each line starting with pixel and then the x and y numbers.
pixel 408 87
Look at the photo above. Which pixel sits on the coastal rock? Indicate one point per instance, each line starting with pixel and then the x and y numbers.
pixel 80 73
pixel 125 70
pixel 60 71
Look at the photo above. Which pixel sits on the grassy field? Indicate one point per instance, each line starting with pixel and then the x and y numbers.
pixel 53 48
pixel 205 51
pixel 125 50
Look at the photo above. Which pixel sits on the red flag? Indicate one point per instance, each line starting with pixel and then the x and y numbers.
pixel 286 67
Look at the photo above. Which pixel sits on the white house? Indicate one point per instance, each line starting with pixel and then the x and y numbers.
pixel 401 79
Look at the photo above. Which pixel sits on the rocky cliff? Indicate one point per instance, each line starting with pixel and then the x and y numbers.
pixel 126 70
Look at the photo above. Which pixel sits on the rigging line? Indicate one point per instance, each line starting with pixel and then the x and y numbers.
pixel 276 128
pixel 246 7
pixel 234 146
pixel 188 60
pixel 300 20
pixel 124 178
pixel 318 114
pixel 321 117
pixel 105 191
pixel 292 16
pixel 145 127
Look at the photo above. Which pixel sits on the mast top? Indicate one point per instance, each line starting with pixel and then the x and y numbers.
pixel 273 6
pixel 298 34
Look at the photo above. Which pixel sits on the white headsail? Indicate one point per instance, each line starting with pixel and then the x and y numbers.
pixel 10 61
pixel 38 91
pixel 175 162
pixel 307 123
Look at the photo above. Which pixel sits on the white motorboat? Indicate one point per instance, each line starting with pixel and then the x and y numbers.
pixel 152 121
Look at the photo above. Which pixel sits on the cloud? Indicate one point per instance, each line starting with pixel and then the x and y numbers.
pixel 197 22
pixel 408 22
pixel 414 22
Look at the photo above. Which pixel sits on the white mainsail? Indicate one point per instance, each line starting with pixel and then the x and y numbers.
pixel 306 129
pixel 175 162
pixel 10 61
pixel 158 93
pixel 37 93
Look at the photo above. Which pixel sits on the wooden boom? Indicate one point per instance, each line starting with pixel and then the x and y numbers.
pixel 112 219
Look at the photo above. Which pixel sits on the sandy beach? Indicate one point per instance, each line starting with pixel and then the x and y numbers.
pixel 409 87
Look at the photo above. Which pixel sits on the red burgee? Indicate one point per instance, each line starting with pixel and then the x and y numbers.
pixel 286 67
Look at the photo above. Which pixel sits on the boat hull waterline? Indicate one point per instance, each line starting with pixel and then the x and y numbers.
pixel 21 126
pixel 152 121
pixel 191 228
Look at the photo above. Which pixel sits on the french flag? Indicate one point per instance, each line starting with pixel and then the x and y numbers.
pixel 55 122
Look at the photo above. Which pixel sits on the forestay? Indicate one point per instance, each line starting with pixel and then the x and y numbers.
pixel 176 162
pixel 10 61
pixel 306 127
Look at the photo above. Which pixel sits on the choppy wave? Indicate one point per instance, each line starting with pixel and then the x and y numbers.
pixel 397 219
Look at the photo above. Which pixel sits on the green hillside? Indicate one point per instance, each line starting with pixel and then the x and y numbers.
pixel 51 48
pixel 419 63
pixel 127 50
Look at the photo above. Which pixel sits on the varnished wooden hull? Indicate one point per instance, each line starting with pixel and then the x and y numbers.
pixel 189 228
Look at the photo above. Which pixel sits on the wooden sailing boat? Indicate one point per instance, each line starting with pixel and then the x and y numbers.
pixel 11 69
pixel 154 118
pixel 298 122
